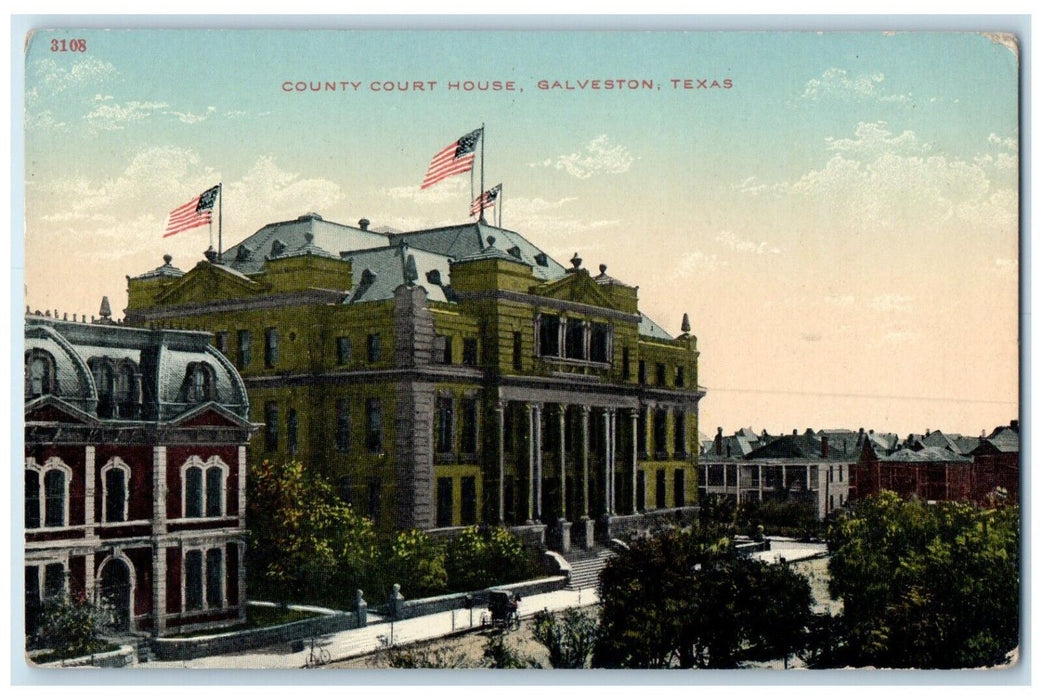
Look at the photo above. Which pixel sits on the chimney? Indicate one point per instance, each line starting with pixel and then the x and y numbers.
pixel 824 446
pixel 718 443
pixel 363 224
pixel 795 432
pixel 1015 426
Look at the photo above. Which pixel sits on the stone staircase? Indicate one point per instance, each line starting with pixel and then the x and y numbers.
pixel 586 567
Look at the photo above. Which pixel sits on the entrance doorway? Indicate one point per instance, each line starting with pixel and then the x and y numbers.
pixel 114 588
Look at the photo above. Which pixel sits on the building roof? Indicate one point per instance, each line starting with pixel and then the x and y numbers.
pixel 927 454
pixel 164 270
pixel 650 328
pixel 287 237
pixel 160 357
pixel 377 272
pixel 463 240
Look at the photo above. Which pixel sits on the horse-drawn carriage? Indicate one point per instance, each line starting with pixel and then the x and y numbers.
pixel 502 610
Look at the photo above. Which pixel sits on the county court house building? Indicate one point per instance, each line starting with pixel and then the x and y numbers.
pixel 448 376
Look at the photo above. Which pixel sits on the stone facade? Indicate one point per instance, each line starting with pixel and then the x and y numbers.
pixel 446 377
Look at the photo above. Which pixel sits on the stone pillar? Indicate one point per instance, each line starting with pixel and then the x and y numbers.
pixel 361 609
pixel 395 602
pixel 88 490
pixel 759 470
pixel 242 485
pixel 500 457
pixel 607 463
pixel 159 590
pixel 537 421
pixel 562 454
pixel 633 461
pixel 159 518
pixel 611 458
pixel 530 412
pixel 585 411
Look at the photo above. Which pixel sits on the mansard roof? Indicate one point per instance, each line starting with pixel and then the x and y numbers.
pixel 650 328
pixel 160 359
pixel 377 272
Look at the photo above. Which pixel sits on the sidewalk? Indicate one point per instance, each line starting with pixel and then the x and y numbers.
pixel 358 642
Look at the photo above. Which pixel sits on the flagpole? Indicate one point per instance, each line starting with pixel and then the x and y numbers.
pixel 499 205
pixel 481 214
pixel 220 215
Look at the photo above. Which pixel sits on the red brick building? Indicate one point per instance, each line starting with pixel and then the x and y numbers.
pixel 135 475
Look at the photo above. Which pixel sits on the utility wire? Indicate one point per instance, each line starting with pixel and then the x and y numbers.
pixel 779 392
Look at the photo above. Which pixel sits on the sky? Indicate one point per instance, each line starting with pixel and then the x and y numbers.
pixel 838 215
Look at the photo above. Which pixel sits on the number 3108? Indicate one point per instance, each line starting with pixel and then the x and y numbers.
pixel 63 45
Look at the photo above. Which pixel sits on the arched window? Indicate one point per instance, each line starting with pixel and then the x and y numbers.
pixel 55 498
pixel 204 488
pixel 204 579
pixel 194 492
pixel 199 383
pixel 39 374
pixel 115 481
pixel 47 493
pixel 291 431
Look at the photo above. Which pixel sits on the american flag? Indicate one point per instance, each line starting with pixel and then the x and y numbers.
pixel 486 200
pixel 456 158
pixel 197 212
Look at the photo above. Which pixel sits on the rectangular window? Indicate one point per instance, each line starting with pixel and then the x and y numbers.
pixel 469 437
pixel 444 514
pixel 599 341
pixel 443 430
pixel 642 498
pixel 373 348
pixel 468 500
pixel 53 580
pixel 33 607
pixel 659 433
pixel 642 372
pixel 443 350
pixel 220 341
pixel 32 498
pixel 343 425
pixel 549 336
pixel 271 426
pixel 343 350
pixel 470 351
pixel 660 488
pixel 374 440
pixel 679 497
pixel 660 374
pixel 245 345
pixel 271 347
pixel 679 434
pixel 291 431
pixel 625 363
pixel 517 351
pixel 679 381
pixel 509 427
pixel 214 579
pixel 574 339
pixel 716 475
pixel 193 580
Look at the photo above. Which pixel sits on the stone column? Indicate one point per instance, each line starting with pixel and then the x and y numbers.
pixel 88 491
pixel 585 412
pixel 530 412
pixel 607 462
pixel 633 462
pixel 537 421
pixel 501 469
pixel 562 454
pixel 759 470
pixel 611 457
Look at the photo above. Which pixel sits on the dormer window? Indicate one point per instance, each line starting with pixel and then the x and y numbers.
pixel 126 391
pixel 105 383
pixel 540 259
pixel 39 374
pixel 199 383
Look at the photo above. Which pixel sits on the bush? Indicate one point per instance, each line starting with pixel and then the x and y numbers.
pixel 70 626
pixel 569 639
pixel 483 557
pixel 417 562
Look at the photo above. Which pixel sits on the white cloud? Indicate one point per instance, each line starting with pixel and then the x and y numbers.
pixel 891 302
pixel 878 180
pixel 190 118
pixel 696 261
pixel 455 188
pixel 836 82
pixel 267 193
pixel 1009 143
pixel 112 116
pixel 44 121
pixel 599 156
pixel 743 245
pixel 58 77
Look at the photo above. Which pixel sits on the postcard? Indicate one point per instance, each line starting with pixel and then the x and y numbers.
pixel 519 349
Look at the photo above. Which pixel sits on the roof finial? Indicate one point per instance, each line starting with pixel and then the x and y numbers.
pixel 685 325
pixel 168 258
pixel 106 310
pixel 491 240
pixel 576 261
pixel 309 236
pixel 603 268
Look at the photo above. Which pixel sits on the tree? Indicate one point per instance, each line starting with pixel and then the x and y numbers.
pixel 685 598
pixel 417 562
pixel 498 654
pixel 927 586
pixel 305 543
pixel 569 639
pixel 482 557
